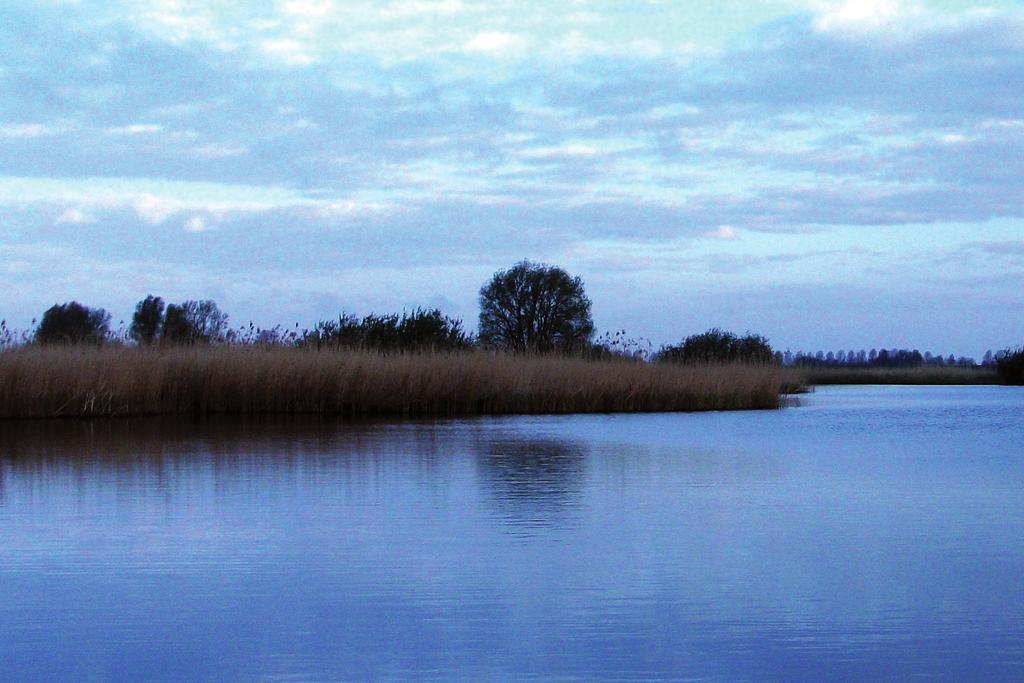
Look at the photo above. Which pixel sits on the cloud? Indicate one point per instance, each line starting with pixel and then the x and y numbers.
pixel 998 247
pixel 136 129
pixel 494 42
pixel 408 138
pixel 308 9
pixel 289 51
pixel 801 128
pixel 571 150
pixel 74 216
pixel 723 232
pixel 218 151
pixel 196 224
pixel 865 15
pixel 153 209
pixel 26 130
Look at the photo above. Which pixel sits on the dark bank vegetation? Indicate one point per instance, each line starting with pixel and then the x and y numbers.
pixel 535 352
pixel 892 366
pixel 1010 366
pixel 421 330
pixel 719 346
pixel 73 323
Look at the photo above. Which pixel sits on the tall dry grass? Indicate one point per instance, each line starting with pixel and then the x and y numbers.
pixel 88 381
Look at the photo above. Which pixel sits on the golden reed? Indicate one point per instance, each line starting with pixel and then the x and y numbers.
pixel 38 382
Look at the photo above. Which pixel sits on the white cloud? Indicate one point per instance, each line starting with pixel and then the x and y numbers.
pixel 1012 124
pixel 156 201
pixel 136 129
pixel 26 130
pixel 494 42
pixel 570 150
pixel 74 217
pixel 289 51
pixel 420 8
pixel 153 209
pixel 864 15
pixel 196 224
pixel 308 9
pixel 219 151
pixel 723 232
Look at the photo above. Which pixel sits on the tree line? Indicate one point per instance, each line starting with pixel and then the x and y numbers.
pixel 529 307
pixel 1008 363
pixel 879 358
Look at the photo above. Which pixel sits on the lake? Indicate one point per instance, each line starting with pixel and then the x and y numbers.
pixel 868 533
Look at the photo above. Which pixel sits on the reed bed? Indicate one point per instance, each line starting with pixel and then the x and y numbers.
pixel 918 375
pixel 37 382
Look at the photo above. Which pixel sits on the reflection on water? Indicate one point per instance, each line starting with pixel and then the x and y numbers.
pixel 532 482
pixel 870 533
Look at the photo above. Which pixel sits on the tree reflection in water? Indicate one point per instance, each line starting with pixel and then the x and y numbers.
pixel 533 483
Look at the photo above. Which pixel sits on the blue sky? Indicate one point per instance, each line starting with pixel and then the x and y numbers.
pixel 832 174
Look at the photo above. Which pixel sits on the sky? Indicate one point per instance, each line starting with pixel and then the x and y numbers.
pixel 832 174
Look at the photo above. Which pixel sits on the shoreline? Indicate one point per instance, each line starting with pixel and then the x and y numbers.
pixel 919 376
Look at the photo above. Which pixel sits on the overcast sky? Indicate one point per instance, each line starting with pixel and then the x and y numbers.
pixel 831 174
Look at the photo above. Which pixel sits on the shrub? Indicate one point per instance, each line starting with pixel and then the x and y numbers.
pixel 421 330
pixel 430 329
pixel 718 346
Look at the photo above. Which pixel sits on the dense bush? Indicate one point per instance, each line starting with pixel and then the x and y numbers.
pixel 1010 365
pixel 718 346
pixel 73 323
pixel 421 330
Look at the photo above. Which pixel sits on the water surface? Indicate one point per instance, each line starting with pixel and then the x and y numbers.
pixel 870 533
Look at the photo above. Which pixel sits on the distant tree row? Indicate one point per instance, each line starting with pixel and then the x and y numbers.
pixel 875 358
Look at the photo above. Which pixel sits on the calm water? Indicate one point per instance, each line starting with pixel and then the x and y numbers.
pixel 871 533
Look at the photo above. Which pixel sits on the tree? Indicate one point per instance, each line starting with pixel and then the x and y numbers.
pixel 194 322
pixel 73 323
pixel 535 307
pixel 147 320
